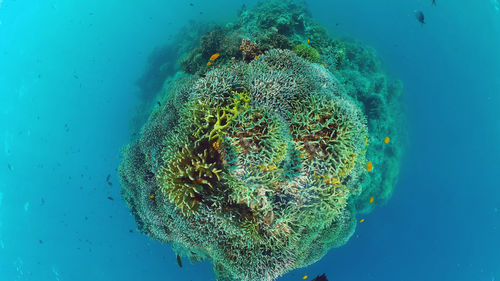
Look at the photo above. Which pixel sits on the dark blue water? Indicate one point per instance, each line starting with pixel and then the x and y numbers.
pixel 68 95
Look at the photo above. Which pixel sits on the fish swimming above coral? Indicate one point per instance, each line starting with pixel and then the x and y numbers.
pixel 179 261
pixel 253 157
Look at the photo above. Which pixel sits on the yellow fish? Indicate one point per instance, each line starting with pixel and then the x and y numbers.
pixel 362 220
pixel 369 166
pixel 214 56
pixel 305 277
pixel 387 139
pixel 371 200
pixel 308 41
pixel 209 63
pixel 152 196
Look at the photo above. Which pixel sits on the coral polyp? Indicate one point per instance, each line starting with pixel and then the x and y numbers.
pixel 259 164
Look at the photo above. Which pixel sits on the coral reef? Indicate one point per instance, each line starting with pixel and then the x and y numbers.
pixel 307 52
pixel 257 160
pixel 249 49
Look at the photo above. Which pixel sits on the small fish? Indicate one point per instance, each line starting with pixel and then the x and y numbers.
pixel 110 198
pixel 308 41
pixel 434 2
pixel 40 241
pixel 214 56
pixel 362 220
pixel 256 57
pixel 420 17
pixel 321 277
pixel 387 139
pixel 305 277
pixel 369 166
pixel 191 4
pixel 371 200
pixel 159 103
pixel 209 63
pixel 152 196
pixel 179 261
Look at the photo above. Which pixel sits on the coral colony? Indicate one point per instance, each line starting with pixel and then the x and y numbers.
pixel 256 158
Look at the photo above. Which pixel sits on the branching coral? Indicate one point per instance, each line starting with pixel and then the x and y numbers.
pixel 249 49
pixel 275 168
pixel 260 164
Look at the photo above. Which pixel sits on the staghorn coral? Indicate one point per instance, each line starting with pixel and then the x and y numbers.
pixel 259 165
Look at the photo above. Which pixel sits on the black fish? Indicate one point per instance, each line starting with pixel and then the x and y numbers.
pixel 179 261
pixel 110 198
pixel 434 2
pixel 420 17
pixel 321 277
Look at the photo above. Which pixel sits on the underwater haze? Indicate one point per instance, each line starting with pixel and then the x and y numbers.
pixel 78 79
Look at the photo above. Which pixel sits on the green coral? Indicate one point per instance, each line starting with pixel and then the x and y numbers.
pixel 307 52
pixel 191 157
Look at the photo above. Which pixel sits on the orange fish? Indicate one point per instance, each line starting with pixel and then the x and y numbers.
pixel 256 57
pixel 371 200
pixel 387 139
pixel 362 220
pixel 209 63
pixel 308 41
pixel 305 277
pixel 214 56
pixel 369 166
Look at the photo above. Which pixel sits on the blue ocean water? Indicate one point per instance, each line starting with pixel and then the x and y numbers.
pixel 68 95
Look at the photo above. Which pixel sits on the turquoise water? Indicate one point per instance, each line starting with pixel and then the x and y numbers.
pixel 68 97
